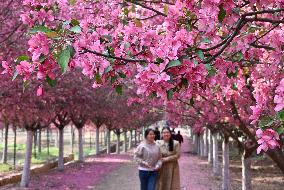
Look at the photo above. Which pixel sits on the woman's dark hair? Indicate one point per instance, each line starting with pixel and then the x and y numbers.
pixel 147 131
pixel 171 142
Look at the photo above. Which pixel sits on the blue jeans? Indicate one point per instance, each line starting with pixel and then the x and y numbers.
pixel 148 179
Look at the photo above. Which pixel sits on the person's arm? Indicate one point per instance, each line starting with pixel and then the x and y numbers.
pixel 159 163
pixel 181 138
pixel 173 157
pixel 138 156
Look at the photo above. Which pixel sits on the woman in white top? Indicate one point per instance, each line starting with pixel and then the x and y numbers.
pixel 148 155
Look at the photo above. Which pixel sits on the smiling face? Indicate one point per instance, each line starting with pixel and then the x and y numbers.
pixel 166 133
pixel 151 136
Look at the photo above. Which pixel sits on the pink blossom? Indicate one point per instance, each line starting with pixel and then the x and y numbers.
pixel 39 91
pixel 25 68
pixel 268 139
pixel 46 69
pixel 38 45
pixel 7 68
pixel 279 97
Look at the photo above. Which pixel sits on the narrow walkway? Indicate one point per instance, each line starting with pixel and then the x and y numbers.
pixel 119 172
pixel 195 174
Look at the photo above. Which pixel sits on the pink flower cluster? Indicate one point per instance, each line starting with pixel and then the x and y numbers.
pixel 279 97
pixel 7 68
pixel 38 45
pixel 25 68
pixel 153 79
pixel 267 139
pixel 42 17
pixel 46 69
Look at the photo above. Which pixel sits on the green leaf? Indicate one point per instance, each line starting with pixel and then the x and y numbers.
pixel 222 13
pixel 113 79
pixel 127 45
pixel 52 34
pixel 154 95
pixel 173 63
pixel 206 40
pixel 122 75
pixel 170 94
pixel 280 130
pixel 235 86
pixel 72 2
pixel 39 29
pixel 76 29
pixel 118 89
pixel 98 78
pixel 265 122
pixel 75 22
pixel 42 58
pixel 64 58
pixel 232 74
pixel 211 70
pixel 22 58
pixel 280 114
pixel 51 82
pixel 200 54
pixel 158 60
pixel 166 9
pixel 15 75
pixel 238 57
pixel 184 82
pixel 72 50
pixel 108 69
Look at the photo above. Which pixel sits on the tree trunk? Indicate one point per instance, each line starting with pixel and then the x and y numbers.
pixel 5 149
pixel 27 164
pixel 139 137
pixel 2 135
pixel 61 150
pixel 135 137
pixel 15 148
pixel 226 164
pixel 198 145
pixel 39 141
pixel 71 138
pixel 278 157
pixel 108 141
pixel 205 142
pixel 201 144
pixel 216 165
pixel 210 148
pixel 97 140
pixel 246 171
pixel 47 140
pixel 118 143
pixel 190 132
pixel 125 141
pixel 195 144
pixel 35 143
pixel 80 143
pixel 130 139
pixel 105 137
pixel 90 139
pixel 56 139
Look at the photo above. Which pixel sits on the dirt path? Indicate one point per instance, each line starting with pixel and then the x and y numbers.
pixel 195 175
pixel 119 172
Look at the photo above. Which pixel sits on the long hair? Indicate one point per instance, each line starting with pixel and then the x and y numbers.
pixel 171 142
pixel 147 131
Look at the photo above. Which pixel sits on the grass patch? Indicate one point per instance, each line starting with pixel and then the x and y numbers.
pixel 20 147
pixel 5 167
